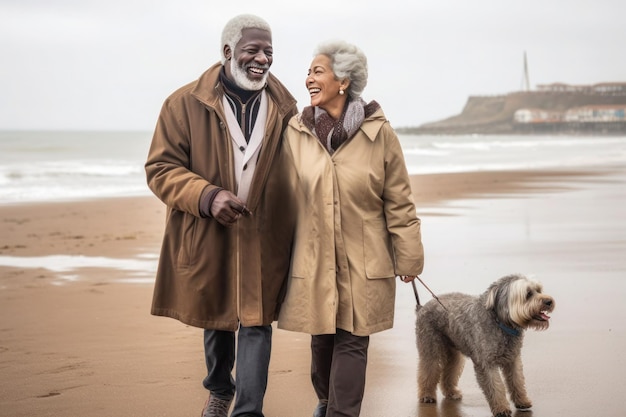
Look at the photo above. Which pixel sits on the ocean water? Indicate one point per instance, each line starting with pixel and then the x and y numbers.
pixel 57 166
pixel 443 154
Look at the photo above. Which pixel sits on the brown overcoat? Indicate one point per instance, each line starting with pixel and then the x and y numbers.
pixel 210 276
pixel 357 229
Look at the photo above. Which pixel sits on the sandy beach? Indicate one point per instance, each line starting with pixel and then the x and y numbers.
pixel 80 342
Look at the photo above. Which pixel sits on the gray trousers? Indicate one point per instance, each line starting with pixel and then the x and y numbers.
pixel 254 345
pixel 338 364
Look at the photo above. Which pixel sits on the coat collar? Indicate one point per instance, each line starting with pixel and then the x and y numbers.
pixel 370 127
pixel 209 90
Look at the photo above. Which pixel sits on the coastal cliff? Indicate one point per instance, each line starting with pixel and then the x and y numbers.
pixel 553 109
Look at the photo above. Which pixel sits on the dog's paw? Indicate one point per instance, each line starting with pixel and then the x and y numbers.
pixel 428 400
pixel 524 405
pixel 454 395
pixel 505 413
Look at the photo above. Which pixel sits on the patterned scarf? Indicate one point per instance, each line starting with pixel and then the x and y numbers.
pixel 333 133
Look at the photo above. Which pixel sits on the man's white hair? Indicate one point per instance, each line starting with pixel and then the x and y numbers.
pixel 232 32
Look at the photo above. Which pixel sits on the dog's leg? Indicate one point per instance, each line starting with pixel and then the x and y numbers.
pixel 491 383
pixel 428 367
pixel 453 362
pixel 428 373
pixel 514 378
pixel 430 343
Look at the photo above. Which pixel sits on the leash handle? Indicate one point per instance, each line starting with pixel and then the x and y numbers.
pixel 417 297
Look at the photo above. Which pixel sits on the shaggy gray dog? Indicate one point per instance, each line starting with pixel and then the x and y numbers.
pixel 489 329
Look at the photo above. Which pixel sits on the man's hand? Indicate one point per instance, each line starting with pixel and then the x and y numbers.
pixel 227 208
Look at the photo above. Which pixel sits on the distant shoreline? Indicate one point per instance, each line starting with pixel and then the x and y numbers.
pixel 544 130
pixel 556 109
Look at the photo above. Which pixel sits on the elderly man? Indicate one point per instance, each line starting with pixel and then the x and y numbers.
pixel 215 162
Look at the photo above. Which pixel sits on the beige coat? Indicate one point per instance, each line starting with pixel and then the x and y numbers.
pixel 210 276
pixel 356 230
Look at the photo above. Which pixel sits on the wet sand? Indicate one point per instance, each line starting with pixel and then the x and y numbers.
pixel 82 343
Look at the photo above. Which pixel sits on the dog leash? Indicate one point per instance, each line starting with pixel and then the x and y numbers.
pixel 417 298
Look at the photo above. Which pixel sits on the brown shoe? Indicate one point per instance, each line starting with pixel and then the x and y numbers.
pixel 216 407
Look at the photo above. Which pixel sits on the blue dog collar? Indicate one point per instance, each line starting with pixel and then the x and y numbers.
pixel 509 330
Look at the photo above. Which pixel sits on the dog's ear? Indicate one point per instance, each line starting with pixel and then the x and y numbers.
pixel 490 301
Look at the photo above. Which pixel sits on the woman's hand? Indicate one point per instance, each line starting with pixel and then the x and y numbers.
pixel 407 278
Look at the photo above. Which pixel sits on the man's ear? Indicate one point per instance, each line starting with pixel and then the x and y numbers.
pixel 227 52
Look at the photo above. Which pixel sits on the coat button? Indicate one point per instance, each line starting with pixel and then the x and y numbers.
pixel 245 167
pixel 241 148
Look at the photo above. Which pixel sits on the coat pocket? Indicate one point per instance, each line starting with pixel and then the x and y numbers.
pixel 377 249
pixel 187 249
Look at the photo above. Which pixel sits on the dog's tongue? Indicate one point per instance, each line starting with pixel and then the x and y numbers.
pixel 544 316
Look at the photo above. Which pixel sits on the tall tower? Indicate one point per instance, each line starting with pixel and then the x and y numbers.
pixel 525 79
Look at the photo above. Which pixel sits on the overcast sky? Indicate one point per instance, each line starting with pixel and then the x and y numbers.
pixel 109 64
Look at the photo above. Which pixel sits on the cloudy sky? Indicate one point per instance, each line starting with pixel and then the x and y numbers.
pixel 87 64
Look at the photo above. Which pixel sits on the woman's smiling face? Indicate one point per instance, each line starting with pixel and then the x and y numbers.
pixel 324 87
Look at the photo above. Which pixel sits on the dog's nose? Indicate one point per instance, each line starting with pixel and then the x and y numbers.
pixel 548 302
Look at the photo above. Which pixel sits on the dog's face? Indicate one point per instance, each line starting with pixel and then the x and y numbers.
pixel 520 301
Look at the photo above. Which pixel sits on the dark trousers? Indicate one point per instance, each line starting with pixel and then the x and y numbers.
pixel 254 345
pixel 338 364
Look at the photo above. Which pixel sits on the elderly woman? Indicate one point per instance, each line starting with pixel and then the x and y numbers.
pixel 357 229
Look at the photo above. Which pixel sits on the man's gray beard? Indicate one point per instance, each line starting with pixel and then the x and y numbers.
pixel 240 77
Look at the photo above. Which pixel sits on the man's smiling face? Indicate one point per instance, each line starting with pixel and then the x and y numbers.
pixel 251 59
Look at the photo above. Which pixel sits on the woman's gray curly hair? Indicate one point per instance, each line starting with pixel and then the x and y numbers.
pixel 348 62
pixel 232 32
